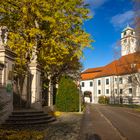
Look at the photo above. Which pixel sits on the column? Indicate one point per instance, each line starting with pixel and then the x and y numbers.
pixel 36 93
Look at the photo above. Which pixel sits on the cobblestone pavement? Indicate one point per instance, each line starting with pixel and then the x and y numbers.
pixel 66 127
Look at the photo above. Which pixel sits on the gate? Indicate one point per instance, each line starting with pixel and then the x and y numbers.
pixel 22 100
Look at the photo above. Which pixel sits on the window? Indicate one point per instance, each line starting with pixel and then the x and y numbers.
pixel 121 91
pixel 129 79
pixel 99 91
pixel 132 33
pixel 120 80
pixel 125 40
pixel 115 79
pixel 130 90
pixel 107 81
pixel 99 82
pixel 124 33
pixel 132 40
pixel 91 84
pixel 116 91
pixel 107 91
pixel 83 84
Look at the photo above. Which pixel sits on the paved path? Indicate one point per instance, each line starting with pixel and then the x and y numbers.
pixel 110 123
pixel 66 127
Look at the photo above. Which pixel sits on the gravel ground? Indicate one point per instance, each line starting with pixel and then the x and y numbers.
pixel 66 127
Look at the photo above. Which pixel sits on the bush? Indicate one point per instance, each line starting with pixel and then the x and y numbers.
pixel 103 100
pixel 21 135
pixel 67 98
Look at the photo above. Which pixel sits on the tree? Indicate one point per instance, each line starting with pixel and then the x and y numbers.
pixel 67 98
pixel 54 27
pixel 137 20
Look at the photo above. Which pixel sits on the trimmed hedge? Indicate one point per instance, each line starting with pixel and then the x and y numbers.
pixel 67 98
pixel 103 100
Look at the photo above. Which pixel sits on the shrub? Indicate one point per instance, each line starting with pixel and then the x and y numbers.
pixel 67 98
pixel 103 100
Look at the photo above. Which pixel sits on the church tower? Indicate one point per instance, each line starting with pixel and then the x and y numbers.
pixel 128 41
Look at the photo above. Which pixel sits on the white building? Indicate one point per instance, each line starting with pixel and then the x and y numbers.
pixel 118 80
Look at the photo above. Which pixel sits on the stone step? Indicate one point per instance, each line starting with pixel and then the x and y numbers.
pixel 26 123
pixel 13 118
pixel 26 112
pixel 28 115
pixel 28 118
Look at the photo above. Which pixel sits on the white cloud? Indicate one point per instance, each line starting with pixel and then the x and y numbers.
pixel 95 4
pixel 122 19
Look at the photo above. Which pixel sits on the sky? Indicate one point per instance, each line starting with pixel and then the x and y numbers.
pixel 110 17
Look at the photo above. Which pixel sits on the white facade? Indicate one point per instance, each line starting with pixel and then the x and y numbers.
pixel 102 87
pixel 117 87
pixel 88 85
pixel 113 87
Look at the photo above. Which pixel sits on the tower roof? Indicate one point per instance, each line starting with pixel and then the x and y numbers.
pixel 127 28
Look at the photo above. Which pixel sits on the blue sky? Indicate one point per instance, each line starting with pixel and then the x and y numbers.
pixel 109 19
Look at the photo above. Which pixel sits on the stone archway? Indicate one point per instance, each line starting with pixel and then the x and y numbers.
pixel 88 96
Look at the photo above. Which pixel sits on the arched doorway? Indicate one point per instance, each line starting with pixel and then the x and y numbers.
pixel 88 96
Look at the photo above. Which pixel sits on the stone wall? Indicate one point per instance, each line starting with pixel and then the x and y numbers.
pixel 6 97
pixel 6 68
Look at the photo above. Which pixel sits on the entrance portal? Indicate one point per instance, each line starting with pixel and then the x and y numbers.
pixel 88 96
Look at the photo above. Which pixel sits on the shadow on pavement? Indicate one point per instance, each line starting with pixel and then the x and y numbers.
pixel 93 137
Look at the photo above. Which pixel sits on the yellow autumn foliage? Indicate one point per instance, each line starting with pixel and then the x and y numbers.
pixel 54 26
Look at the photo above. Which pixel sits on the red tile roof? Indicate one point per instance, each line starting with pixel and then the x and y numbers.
pixel 91 70
pixel 88 76
pixel 125 65
pixel 90 73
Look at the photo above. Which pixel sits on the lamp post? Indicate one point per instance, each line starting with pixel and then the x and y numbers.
pixel 79 98
pixel 79 89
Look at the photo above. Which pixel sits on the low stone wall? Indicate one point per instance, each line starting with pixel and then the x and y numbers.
pixel 7 98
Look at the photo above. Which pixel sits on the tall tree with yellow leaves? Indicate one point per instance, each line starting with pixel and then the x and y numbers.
pixel 54 27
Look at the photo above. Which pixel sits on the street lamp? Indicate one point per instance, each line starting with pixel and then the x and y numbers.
pixel 79 88
pixel 79 98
